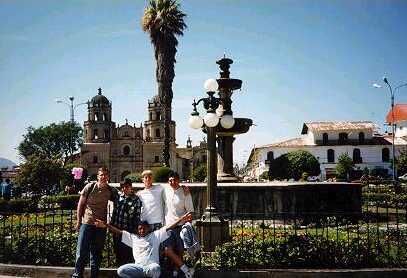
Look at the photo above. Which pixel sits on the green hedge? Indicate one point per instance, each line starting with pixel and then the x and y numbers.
pixel 18 205
pixel 53 245
pixel 59 201
pixel 300 251
pixel 385 199
pixel 44 203
pixel 161 174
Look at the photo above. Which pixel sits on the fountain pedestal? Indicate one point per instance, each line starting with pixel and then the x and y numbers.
pixel 225 137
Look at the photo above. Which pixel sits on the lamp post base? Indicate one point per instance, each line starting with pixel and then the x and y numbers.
pixel 213 230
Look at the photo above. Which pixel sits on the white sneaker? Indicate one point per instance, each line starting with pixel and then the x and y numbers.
pixel 189 273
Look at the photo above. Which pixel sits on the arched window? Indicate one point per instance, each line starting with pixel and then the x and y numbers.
pixel 107 134
pixel 385 155
pixel 343 138
pixel 126 150
pixel 356 156
pixel 156 159
pixel 158 116
pixel 331 156
pixel 95 134
pixel 270 157
pixel 157 133
pixel 105 117
pixel 361 138
pixel 325 139
pixel 95 159
pixel 151 116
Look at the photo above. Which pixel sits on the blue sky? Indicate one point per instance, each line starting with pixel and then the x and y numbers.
pixel 299 61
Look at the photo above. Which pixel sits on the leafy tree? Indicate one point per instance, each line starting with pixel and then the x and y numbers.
pixel 302 161
pixel 199 173
pixel 164 21
pixel 40 173
pixel 134 177
pixel 161 174
pixel 293 165
pixel 344 167
pixel 401 163
pixel 279 168
pixel 53 141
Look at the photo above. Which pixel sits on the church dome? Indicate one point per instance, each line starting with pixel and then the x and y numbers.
pixel 99 99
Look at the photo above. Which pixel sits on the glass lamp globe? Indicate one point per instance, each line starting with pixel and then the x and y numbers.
pixel 195 121
pixel 227 121
pixel 220 110
pixel 211 120
pixel 211 85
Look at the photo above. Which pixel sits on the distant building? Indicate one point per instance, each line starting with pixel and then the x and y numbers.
pixel 9 173
pixel 327 141
pixel 129 148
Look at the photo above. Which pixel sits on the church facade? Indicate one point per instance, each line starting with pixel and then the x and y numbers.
pixel 129 148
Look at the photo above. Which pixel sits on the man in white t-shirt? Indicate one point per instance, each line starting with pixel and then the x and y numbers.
pixel 152 198
pixel 146 246
pixel 178 201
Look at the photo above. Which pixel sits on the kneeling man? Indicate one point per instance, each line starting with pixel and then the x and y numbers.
pixel 146 246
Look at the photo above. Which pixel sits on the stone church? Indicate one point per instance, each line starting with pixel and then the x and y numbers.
pixel 129 148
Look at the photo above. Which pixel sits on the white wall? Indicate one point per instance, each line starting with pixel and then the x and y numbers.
pixel 371 156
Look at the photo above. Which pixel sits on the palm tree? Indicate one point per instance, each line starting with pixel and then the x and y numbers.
pixel 164 21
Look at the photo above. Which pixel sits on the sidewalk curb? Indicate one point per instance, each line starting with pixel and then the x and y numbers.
pixel 53 271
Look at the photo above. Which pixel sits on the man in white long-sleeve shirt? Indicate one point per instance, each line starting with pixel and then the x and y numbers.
pixel 152 198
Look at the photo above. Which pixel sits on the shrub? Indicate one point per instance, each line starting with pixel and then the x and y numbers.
pixel 134 177
pixel 161 174
pixel 59 201
pixel 344 166
pixel 199 173
pixel 304 176
pixel 19 205
pixel 293 165
pixel 297 251
pixel 264 175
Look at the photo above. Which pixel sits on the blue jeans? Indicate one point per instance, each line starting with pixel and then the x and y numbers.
pixel 139 271
pixel 90 240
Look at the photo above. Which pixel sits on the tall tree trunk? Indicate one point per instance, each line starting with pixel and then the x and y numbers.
pixel 165 92
pixel 165 56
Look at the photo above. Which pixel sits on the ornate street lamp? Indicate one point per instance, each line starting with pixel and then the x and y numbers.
pixel 209 122
pixel 214 229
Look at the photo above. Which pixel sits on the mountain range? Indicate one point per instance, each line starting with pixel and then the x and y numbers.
pixel 4 162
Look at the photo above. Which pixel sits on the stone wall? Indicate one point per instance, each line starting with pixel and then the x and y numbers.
pixel 278 199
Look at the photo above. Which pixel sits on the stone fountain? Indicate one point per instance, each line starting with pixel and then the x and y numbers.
pixel 225 137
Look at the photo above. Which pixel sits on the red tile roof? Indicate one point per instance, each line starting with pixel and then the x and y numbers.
pixel 399 112
pixel 340 125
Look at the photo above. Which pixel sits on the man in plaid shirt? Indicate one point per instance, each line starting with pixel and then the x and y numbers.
pixel 126 216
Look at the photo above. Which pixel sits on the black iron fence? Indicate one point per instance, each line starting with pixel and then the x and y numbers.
pixel 376 236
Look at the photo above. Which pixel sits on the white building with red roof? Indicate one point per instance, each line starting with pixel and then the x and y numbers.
pixel 328 140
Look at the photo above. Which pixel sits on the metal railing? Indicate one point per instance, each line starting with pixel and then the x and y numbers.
pixel 375 237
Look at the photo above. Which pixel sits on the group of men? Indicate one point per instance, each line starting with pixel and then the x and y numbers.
pixel 153 222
